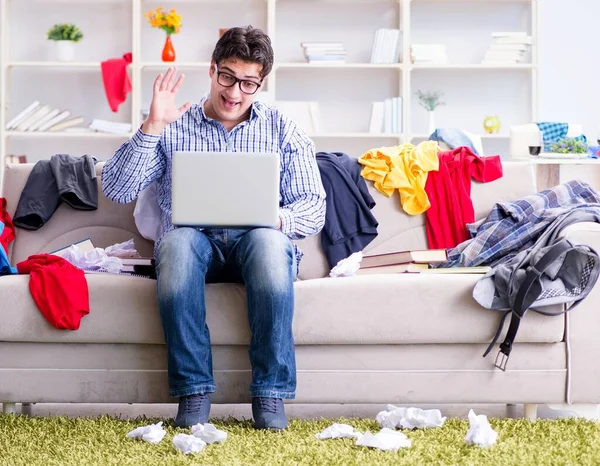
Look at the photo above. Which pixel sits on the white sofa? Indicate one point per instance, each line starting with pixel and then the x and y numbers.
pixel 402 339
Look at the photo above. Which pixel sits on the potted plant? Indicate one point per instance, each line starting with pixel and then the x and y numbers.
pixel 430 101
pixel 168 22
pixel 569 146
pixel 65 36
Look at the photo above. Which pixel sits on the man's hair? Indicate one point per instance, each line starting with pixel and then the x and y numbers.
pixel 246 44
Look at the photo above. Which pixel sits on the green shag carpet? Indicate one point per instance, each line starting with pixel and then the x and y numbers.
pixel 102 441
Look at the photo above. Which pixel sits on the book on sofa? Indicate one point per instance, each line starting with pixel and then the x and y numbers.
pixel 124 273
pixel 138 261
pixel 411 267
pixel 414 267
pixel 141 266
pixel 424 256
pixel 482 269
pixel 84 245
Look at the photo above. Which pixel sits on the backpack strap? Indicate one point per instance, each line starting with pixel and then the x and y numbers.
pixel 528 293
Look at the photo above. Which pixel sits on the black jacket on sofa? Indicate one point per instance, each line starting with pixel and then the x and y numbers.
pixel 349 222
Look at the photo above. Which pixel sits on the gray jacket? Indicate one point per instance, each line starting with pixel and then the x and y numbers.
pixel 568 279
pixel 552 271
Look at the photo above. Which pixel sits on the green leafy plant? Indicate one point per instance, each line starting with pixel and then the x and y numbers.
pixel 430 100
pixel 65 32
pixel 569 146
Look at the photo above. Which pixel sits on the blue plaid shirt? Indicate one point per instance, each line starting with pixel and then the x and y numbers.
pixel 513 226
pixel 146 158
pixel 555 132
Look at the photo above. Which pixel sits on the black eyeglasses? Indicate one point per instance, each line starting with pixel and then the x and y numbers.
pixel 228 80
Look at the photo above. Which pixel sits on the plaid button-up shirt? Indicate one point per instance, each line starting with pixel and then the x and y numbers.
pixel 513 226
pixel 146 158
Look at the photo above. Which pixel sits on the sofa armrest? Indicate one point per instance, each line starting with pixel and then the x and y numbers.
pixel 591 228
pixel 583 327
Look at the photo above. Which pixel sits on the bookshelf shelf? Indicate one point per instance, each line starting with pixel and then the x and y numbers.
pixel 472 1
pixel 345 2
pixel 474 66
pixel 65 134
pixel 300 65
pixel 200 2
pixel 482 136
pixel 180 65
pixel 345 92
pixel 59 2
pixel 53 64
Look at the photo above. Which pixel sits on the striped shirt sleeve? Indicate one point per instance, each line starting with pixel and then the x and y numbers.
pixel 135 165
pixel 303 210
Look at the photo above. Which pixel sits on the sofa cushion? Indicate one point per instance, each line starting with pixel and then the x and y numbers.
pixel 384 309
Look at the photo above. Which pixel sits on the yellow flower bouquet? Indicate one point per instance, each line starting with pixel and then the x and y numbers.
pixel 169 22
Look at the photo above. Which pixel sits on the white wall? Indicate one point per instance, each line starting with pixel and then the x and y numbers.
pixel 570 72
pixel 570 63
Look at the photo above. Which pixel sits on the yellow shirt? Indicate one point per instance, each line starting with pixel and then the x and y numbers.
pixel 404 168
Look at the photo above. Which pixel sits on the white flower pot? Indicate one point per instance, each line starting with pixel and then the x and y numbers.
pixel 65 50
pixel 431 125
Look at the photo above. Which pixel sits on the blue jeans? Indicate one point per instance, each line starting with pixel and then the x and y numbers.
pixel 263 260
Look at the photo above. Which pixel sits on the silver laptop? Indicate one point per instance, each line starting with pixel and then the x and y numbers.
pixel 225 189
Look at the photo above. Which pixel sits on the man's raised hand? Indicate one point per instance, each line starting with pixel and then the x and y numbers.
pixel 163 109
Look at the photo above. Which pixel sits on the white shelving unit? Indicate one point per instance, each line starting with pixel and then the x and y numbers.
pixel 344 90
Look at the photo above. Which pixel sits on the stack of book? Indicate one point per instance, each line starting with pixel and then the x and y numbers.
pixel 38 117
pixel 105 126
pixel 139 267
pixel 324 52
pixel 508 48
pixel 15 159
pixel 386 46
pixel 433 54
pixel 386 116
pixel 401 262
pixel 417 261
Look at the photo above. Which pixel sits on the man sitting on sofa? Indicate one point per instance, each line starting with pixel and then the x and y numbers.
pixel 264 259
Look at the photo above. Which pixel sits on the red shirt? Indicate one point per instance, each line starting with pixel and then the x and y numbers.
pixel 116 80
pixel 449 191
pixel 8 234
pixel 58 288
